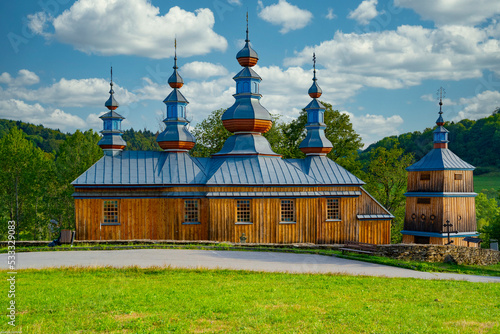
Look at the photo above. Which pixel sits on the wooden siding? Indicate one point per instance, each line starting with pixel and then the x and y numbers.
pixel 162 218
pixel 140 218
pixel 443 208
pixel 441 181
pixel 375 231
pixel 410 239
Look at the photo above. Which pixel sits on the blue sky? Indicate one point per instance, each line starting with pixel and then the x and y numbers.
pixel 379 61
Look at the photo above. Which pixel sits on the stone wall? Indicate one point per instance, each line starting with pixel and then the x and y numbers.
pixel 438 253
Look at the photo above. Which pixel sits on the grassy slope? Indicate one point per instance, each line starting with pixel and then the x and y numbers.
pixel 487 181
pixel 164 300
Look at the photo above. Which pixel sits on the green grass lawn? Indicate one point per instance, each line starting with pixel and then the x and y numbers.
pixel 217 301
pixel 487 181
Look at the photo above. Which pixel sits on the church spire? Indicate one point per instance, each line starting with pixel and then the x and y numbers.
pixel 176 136
pixel 112 142
pixel 315 142
pixel 247 118
pixel 440 134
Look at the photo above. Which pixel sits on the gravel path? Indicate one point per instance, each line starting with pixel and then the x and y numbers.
pixel 254 261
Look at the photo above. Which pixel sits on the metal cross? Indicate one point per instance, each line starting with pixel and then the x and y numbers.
pixel 448 225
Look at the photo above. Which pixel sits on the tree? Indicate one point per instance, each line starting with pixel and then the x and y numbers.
pixel 488 218
pixel 77 154
pixel 339 131
pixel 210 135
pixel 387 180
pixel 24 170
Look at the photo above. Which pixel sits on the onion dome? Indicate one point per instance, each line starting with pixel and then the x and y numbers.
pixel 112 142
pixel 247 118
pixel 176 136
pixel 175 80
pixel 247 56
pixel 247 114
pixel 440 134
pixel 315 91
pixel 315 142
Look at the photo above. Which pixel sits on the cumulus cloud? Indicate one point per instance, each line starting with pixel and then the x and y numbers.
pixel 65 93
pixel 479 106
pixel 283 14
pixel 374 127
pixel 34 113
pixel 24 78
pixel 330 14
pixel 365 12
pixel 406 56
pixel 442 12
pixel 131 27
pixel 202 70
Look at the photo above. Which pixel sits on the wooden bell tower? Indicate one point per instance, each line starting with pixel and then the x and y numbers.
pixel 440 191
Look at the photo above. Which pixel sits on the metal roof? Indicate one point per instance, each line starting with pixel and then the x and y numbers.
pixel 175 96
pixel 440 159
pixel 325 170
pixel 247 106
pixel 247 51
pixel 176 131
pixel 246 144
pixel 375 217
pixel 112 114
pixel 315 104
pixel 145 168
pixel 247 72
pixel 256 170
pixel 153 168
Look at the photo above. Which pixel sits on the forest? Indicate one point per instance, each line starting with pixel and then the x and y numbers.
pixel 38 164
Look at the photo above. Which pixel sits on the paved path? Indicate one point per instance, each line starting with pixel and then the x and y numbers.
pixel 254 261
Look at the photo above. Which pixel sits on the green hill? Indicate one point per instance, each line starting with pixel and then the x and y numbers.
pixel 477 142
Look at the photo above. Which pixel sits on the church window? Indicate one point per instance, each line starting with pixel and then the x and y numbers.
pixel 332 209
pixel 287 210
pixel 191 210
pixel 111 212
pixel 243 211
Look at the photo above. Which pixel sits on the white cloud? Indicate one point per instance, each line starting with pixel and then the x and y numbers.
pixel 204 96
pixel 479 106
pixel 288 16
pixel 92 92
pixel 24 78
pixel 38 22
pixel 330 14
pixel 202 70
pixel 365 12
pixel 464 12
pixel 132 27
pixel 407 56
pixel 372 128
pixel 34 113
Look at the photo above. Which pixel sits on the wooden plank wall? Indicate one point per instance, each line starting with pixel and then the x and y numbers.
pixel 418 224
pixel 140 218
pixel 441 181
pixel 444 208
pixel 375 231
pixel 161 219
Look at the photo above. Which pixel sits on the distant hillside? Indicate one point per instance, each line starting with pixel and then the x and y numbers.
pixel 477 142
pixel 49 140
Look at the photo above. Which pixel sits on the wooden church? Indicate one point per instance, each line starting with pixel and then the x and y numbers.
pixel 440 196
pixel 245 190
